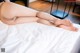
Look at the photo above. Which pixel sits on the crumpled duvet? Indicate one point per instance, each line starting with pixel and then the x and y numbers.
pixel 37 38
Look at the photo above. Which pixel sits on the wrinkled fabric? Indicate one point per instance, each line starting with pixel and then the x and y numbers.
pixel 37 38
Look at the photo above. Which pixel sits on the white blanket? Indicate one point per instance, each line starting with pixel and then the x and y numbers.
pixel 37 38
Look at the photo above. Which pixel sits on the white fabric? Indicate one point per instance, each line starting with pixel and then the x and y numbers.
pixel 37 38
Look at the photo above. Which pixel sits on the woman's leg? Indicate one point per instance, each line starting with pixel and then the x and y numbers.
pixel 10 10
pixel 43 21
pixel 46 16
pixel 71 28
pixel 15 10
pixel 32 19
pixel 21 20
pixel 53 19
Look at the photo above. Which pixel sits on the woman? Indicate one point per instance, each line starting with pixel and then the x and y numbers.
pixel 17 14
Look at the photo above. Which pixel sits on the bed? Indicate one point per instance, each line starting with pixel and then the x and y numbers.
pixel 38 38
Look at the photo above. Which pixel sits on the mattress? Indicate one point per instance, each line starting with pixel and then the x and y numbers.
pixel 38 38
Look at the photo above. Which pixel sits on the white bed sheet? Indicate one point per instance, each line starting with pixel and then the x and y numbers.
pixel 38 38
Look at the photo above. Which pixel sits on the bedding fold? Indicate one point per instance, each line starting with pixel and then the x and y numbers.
pixel 38 38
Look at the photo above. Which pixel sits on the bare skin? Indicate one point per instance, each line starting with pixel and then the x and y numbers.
pixel 23 14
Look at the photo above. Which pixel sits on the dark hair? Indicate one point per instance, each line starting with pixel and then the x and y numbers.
pixel 12 0
pixel 1 0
